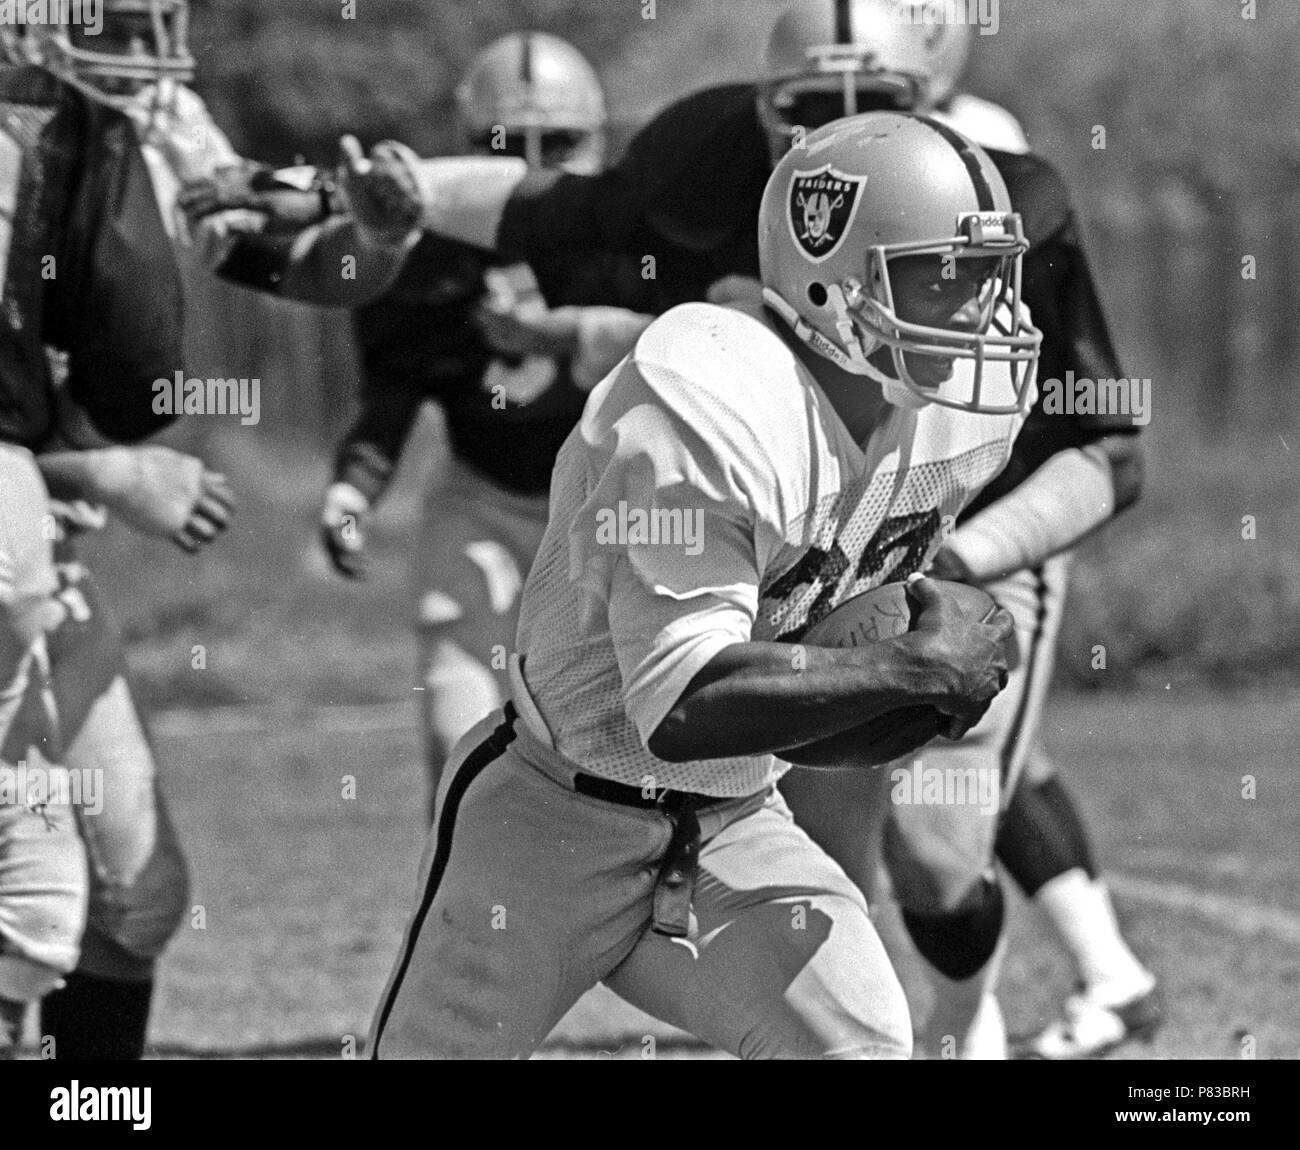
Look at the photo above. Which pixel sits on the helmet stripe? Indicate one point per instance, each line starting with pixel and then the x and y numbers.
pixel 983 193
pixel 529 47
pixel 844 21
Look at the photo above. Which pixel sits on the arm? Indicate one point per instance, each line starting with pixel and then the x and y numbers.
pixel 750 700
pixel 291 235
pixel 594 338
pixel 155 490
pixel 1068 498
pixel 393 342
pixel 755 698
pixel 498 204
pixel 363 469
pixel 1069 474
pixel 338 264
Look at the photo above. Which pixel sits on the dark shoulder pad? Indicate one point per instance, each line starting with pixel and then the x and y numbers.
pixel 703 163
pixel 1038 193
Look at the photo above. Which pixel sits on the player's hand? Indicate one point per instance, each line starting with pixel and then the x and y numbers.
pixel 517 329
pixel 167 494
pixel 253 188
pixel 968 659
pixel 383 191
pixel 341 529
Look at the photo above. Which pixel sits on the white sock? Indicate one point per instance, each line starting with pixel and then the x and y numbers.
pixel 1081 910
pixel 965 1021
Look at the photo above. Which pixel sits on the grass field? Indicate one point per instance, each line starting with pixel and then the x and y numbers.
pixel 300 893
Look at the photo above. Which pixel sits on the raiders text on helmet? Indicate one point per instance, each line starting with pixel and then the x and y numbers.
pixel 540 94
pixel 831 58
pixel 859 194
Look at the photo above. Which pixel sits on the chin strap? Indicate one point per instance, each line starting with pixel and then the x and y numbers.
pixel 853 360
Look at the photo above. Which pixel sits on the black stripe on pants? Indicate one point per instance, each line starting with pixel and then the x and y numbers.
pixel 476 762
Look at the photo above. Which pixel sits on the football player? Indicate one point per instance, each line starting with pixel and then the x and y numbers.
pixel 680 197
pixel 134 74
pixel 1041 838
pixel 474 334
pixel 618 821
pixel 111 312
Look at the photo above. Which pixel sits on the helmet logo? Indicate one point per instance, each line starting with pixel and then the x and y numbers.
pixel 821 210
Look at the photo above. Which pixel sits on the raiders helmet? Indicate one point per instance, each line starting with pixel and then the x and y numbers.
pixel 831 58
pixel 534 95
pixel 141 42
pixel 862 193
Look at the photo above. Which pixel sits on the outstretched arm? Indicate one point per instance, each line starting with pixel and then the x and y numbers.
pixel 303 238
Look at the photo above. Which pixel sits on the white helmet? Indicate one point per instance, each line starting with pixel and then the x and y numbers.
pixel 534 95
pixel 858 195
pixel 141 42
pixel 831 58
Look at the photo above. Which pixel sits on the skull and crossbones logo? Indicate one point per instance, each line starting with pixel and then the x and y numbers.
pixel 817 209
pixel 821 205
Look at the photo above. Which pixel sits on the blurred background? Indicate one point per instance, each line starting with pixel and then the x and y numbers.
pixel 1191 212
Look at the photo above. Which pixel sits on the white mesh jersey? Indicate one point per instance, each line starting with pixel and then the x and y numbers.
pixel 710 495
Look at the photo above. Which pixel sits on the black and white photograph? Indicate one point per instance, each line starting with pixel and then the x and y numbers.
pixel 639 530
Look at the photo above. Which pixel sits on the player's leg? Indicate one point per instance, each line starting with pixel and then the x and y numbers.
pixel 476 547
pixel 43 888
pixel 844 813
pixel 528 893
pixel 939 842
pixel 782 960
pixel 139 883
pixel 1044 846
pixel 42 908
pixel 43 880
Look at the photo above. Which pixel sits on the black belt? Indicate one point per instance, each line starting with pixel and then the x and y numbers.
pixel 644 798
pixel 675 883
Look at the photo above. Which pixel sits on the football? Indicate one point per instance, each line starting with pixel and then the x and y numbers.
pixel 882 613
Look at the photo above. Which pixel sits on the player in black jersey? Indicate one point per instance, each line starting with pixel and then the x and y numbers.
pixel 684 198
pixel 91 320
pixel 471 332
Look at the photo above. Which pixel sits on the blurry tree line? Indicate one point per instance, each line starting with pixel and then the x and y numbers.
pixel 1177 123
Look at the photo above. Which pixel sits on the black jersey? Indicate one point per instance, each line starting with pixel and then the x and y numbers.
pixel 687 195
pixel 86 263
pixel 507 418
pixel 418 342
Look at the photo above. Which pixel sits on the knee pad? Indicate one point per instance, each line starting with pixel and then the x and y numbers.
pixel 960 943
pixel 146 929
pixel 1042 836
pixel 22 980
pixel 130 928
pixel 935 864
